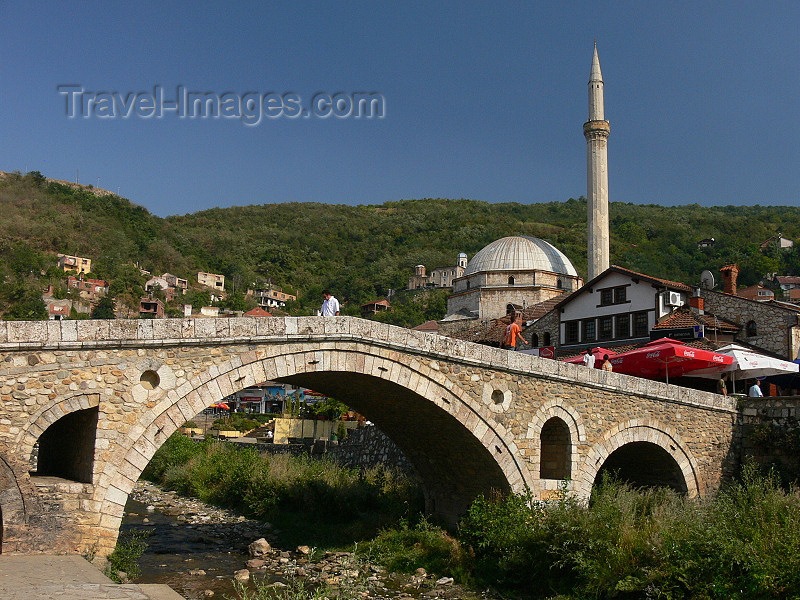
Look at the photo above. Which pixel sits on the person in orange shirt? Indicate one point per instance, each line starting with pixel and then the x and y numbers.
pixel 513 332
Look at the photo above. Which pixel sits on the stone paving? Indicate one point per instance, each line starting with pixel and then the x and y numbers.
pixel 49 577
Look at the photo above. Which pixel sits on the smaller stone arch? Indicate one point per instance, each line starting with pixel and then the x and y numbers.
pixel 574 433
pixel 555 452
pixel 49 414
pixel 633 432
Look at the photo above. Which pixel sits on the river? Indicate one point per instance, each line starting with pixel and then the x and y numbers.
pixel 196 549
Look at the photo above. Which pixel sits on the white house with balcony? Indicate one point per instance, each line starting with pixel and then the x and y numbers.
pixel 617 307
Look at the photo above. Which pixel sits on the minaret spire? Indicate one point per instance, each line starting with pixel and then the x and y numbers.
pixel 596 131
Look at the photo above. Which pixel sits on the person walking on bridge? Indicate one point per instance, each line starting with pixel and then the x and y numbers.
pixel 330 307
pixel 513 331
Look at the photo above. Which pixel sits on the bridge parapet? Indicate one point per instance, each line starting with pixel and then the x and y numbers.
pixel 22 336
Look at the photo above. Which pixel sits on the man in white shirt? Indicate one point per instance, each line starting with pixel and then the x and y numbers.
pixel 330 307
pixel 755 390
pixel 588 359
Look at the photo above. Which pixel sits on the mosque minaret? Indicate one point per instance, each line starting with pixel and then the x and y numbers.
pixel 596 131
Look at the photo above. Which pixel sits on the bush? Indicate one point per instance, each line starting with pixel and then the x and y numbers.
pixel 407 548
pixel 125 557
pixel 744 543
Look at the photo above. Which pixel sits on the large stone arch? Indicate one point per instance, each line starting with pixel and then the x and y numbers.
pixel 343 370
pixel 639 430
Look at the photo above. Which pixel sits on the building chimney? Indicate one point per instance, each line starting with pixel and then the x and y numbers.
pixel 420 269
pixel 729 275
pixel 697 303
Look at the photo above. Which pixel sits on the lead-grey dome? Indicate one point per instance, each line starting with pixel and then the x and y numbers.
pixel 520 253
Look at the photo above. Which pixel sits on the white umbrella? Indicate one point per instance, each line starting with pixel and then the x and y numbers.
pixel 747 365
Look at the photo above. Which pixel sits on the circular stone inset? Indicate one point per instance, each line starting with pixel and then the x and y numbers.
pixel 149 380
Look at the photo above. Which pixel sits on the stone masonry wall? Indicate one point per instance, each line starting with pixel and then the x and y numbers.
pixel 367 447
pixel 778 328
pixel 770 433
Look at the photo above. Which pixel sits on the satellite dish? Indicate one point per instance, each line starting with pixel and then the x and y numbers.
pixel 707 280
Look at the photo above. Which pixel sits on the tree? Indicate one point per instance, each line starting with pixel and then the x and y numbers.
pixel 26 303
pixel 104 309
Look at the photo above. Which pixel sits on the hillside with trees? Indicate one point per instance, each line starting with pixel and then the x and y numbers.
pixel 359 252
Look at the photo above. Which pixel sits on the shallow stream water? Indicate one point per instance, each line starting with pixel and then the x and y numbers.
pixel 196 549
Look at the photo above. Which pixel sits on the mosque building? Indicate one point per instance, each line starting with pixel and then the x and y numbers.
pixel 509 274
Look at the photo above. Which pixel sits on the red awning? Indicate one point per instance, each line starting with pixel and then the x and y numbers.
pixel 665 357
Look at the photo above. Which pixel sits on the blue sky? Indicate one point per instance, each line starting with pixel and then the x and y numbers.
pixel 482 100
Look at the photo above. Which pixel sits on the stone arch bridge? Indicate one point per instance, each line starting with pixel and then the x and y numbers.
pixel 100 397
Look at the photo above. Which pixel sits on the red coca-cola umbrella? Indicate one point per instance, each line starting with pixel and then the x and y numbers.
pixel 598 354
pixel 667 356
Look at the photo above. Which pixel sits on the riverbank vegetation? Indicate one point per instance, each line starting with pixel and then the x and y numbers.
pixel 743 543
pixel 311 501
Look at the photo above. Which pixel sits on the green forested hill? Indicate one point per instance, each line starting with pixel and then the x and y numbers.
pixel 362 251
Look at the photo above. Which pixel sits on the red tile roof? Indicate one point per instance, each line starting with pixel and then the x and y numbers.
pixel 685 317
pixel 257 312
pixel 665 282
pixel 427 326
pixel 494 333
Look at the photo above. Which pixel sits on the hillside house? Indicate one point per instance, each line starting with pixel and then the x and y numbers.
pixel 151 308
pixel 176 282
pixel 67 262
pixel 756 292
pixel 161 283
pixel 782 242
pixel 373 308
pixel 271 297
pixel 88 289
pixel 211 280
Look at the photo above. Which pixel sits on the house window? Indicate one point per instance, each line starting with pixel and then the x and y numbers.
pixel 622 324
pixel 752 329
pixel 560 284
pixel 615 295
pixel 589 330
pixel 571 332
pixel 535 340
pixel 640 324
pixel 546 338
pixel 510 281
pixel 606 328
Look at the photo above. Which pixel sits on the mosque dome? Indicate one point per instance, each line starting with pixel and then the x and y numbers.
pixel 520 253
